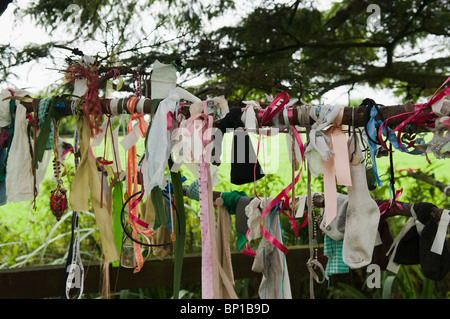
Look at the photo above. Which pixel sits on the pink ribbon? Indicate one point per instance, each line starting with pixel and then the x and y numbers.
pixel 69 150
pixel 337 169
pixel 204 178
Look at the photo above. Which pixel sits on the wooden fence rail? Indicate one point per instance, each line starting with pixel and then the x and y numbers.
pixel 48 281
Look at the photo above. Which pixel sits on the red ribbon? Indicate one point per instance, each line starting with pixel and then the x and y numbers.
pixel 170 117
pixel 283 195
pixel 387 206
pixel 93 108
pixel 413 117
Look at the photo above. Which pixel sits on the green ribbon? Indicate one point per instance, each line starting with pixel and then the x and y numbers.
pixel 181 230
pixel 160 213
pixel 230 200
pixel 241 240
pixel 117 225
pixel 54 114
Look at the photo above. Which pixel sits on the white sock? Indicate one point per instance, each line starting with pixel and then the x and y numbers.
pixel 362 218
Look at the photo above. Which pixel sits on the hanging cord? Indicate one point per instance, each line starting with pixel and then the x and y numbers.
pixel 58 198
pixel 137 84
pixel 170 207
pixel 32 128
pixel 74 258
pixel 312 262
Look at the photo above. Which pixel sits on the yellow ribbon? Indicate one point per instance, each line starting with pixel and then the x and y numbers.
pixel 87 179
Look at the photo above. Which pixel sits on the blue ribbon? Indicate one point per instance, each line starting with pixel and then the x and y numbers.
pixel 372 129
pixel 372 134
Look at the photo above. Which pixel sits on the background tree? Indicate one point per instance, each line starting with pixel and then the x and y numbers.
pixel 271 46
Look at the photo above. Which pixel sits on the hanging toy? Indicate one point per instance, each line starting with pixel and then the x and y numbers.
pixel 58 197
pixel 58 201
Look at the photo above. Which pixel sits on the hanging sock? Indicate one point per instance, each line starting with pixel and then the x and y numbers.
pixel 335 264
pixel 422 241
pixel 243 157
pixel 383 244
pixel 433 248
pixel 336 228
pixel 240 221
pixel 43 108
pixel 405 248
pixel 362 216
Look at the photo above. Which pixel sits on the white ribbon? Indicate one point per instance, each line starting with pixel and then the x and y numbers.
pixel 439 240
pixel 412 221
pixel 159 144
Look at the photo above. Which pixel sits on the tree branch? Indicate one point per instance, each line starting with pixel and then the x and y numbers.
pixel 444 188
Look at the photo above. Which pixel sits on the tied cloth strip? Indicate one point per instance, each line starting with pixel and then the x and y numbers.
pixel 265 116
pixel 87 179
pixel 19 176
pixel 43 107
pixel 224 265
pixel 92 107
pixel 48 114
pixel 132 181
pixel 439 240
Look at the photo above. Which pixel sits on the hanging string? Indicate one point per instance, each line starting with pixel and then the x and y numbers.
pixel 137 84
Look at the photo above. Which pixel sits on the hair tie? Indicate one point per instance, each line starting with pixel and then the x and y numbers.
pixel 140 106
pixel 122 215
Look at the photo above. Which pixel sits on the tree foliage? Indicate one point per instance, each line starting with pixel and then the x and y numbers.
pixel 292 46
